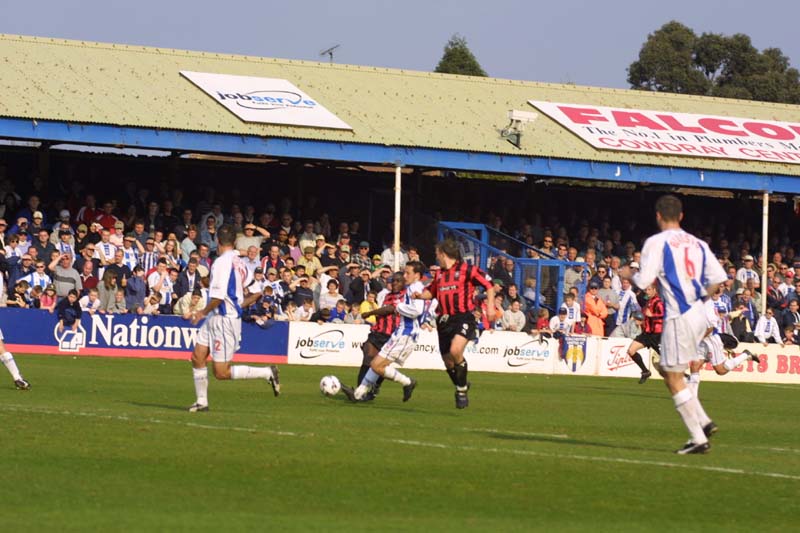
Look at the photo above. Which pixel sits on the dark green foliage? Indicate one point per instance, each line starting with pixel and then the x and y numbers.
pixel 674 59
pixel 458 59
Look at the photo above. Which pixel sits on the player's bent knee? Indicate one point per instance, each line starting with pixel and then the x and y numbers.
pixel 721 370
pixel 222 371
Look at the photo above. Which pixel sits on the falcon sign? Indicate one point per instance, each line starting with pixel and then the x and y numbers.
pixel 682 134
pixel 268 100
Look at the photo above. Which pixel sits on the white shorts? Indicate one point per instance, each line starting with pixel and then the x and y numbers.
pixel 397 349
pixel 222 335
pixel 711 350
pixel 681 338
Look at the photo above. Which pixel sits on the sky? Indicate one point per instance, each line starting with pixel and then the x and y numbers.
pixel 564 41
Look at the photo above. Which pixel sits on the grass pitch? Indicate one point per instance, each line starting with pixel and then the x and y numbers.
pixel 106 444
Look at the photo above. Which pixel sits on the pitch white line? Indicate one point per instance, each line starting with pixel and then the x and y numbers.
pixel 520 433
pixel 126 418
pixel 790 387
pixel 601 459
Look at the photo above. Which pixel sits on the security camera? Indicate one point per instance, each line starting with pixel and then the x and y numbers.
pixel 522 116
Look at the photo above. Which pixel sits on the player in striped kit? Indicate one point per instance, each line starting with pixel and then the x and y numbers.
pixel 686 271
pixel 454 287
pixel 714 350
pixel 220 334
pixel 412 313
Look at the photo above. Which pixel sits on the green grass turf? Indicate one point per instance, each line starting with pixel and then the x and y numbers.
pixel 105 444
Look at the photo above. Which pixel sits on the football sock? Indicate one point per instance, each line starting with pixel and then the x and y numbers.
pixel 397 376
pixel 201 384
pixel 461 375
pixel 8 360
pixel 366 384
pixel 637 358
pixel 362 372
pixel 693 384
pixel 251 372
pixel 685 407
pixel 452 373
pixel 733 362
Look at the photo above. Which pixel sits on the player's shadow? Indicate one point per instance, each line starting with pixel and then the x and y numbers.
pixel 158 406
pixel 557 440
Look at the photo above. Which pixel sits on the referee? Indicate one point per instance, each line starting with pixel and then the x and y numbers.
pixel 454 286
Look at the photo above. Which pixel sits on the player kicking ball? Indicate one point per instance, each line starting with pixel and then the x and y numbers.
pixel 686 271
pixel 8 360
pixel 221 333
pixel 403 339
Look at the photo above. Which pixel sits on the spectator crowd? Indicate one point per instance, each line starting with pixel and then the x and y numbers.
pixel 154 256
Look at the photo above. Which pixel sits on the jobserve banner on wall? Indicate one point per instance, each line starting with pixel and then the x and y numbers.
pixel 160 336
pixel 268 100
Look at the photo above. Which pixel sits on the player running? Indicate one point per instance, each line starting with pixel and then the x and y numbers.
pixel 651 331
pixel 715 348
pixel 686 270
pixel 8 360
pixel 221 333
pixel 453 286
pixel 401 344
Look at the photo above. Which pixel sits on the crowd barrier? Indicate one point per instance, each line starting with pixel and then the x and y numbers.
pixel 304 343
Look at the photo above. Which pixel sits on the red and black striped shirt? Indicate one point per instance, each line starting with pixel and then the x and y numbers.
pixel 655 323
pixel 455 287
pixel 386 324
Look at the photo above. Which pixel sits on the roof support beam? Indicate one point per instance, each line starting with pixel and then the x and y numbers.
pixel 173 140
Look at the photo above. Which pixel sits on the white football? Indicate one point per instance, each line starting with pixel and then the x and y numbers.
pixel 330 385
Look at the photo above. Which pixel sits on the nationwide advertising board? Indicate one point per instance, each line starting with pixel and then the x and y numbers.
pixel 159 336
pixel 681 134
pixel 268 100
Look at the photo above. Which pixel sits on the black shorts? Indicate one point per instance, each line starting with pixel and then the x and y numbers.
pixel 448 326
pixel 377 339
pixel 729 342
pixel 649 340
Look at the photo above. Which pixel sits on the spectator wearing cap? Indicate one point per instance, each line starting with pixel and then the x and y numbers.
pixel 560 325
pixel 344 239
pixel 256 283
pixel 253 235
pixel 595 309
pixel 117 234
pixel 362 258
pixel 22 225
pixel 310 261
pixel 746 272
pixel 377 263
pixel 43 245
pixel 81 237
pixel 64 245
pixel 37 222
pixel 630 329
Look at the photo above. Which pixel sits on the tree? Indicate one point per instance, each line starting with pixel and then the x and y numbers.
pixel 675 59
pixel 458 59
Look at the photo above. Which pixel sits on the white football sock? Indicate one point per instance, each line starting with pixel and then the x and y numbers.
pixel 201 384
pixel 8 360
pixel 369 380
pixel 686 408
pixel 733 362
pixel 395 375
pixel 251 372
pixel 693 383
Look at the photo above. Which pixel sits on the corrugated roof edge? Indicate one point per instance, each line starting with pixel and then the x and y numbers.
pixel 389 70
